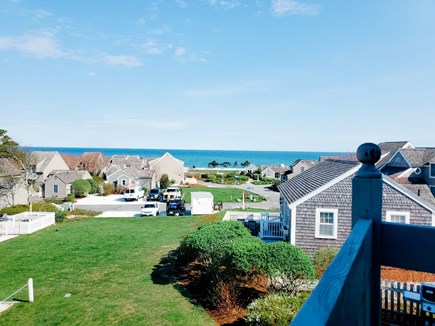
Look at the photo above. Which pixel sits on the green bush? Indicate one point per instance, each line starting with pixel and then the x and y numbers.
pixel 59 216
pixel 70 198
pixel 322 258
pixel 98 179
pixel 95 187
pixel 164 181
pixel 288 265
pixel 275 310
pixel 202 244
pixel 12 210
pixel 81 188
pixel 243 178
pixel 44 207
pixel 108 189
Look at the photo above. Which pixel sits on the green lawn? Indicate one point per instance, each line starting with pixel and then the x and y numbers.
pixel 107 265
pixel 220 195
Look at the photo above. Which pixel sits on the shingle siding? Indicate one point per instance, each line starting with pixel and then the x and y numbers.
pixel 339 196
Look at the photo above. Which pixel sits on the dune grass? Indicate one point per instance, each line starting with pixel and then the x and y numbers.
pixel 107 267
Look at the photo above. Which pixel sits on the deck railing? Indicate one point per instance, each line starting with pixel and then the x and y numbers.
pixel 349 293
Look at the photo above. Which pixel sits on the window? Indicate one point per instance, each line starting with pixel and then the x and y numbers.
pixel 276 175
pixel 326 223
pixel 123 182
pixel 302 169
pixel 397 217
pixel 55 189
pixel 432 170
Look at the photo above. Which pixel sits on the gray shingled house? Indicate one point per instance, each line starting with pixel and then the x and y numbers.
pixel 316 205
pixel 58 183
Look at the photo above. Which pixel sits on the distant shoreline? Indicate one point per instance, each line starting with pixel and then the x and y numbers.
pixel 201 158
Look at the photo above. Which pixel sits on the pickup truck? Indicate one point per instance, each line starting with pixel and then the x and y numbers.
pixel 133 193
pixel 175 207
pixel 172 193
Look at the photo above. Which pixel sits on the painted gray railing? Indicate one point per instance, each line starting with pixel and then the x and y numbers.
pixel 349 291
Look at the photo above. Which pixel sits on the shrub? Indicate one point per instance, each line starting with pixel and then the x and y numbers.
pixel 59 216
pixel 209 237
pixel 44 207
pixel 70 198
pixel 322 258
pixel 287 266
pixel 98 179
pixel 164 181
pixel 108 189
pixel 12 210
pixel 275 310
pixel 243 178
pixel 95 187
pixel 81 188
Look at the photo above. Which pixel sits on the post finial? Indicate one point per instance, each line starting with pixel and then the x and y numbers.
pixel 368 154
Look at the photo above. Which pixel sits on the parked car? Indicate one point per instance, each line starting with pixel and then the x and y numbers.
pixel 150 209
pixel 175 207
pixel 172 193
pixel 133 193
pixel 155 194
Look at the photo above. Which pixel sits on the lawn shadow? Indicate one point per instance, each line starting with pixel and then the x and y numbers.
pixel 165 271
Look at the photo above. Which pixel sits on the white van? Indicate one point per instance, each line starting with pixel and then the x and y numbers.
pixel 133 193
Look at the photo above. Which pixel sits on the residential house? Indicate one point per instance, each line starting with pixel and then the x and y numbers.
pixel 93 162
pixel 274 171
pixel 124 176
pixel 13 187
pixel 167 164
pixel 59 183
pixel 128 161
pixel 296 168
pixel 413 166
pixel 388 149
pixel 251 168
pixel 316 205
pixel 42 163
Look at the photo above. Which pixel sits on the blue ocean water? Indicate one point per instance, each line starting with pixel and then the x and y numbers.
pixel 201 158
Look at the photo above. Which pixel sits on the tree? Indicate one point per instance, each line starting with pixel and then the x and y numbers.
pixel 164 181
pixel 235 163
pixel 245 164
pixel 14 169
pixel 226 164
pixel 213 164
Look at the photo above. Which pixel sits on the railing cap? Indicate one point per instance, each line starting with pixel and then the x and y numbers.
pixel 368 154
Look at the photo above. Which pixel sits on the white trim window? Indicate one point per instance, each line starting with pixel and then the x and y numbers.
pixel 397 217
pixel 326 223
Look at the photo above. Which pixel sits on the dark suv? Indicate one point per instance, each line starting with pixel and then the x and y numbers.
pixel 155 194
pixel 175 207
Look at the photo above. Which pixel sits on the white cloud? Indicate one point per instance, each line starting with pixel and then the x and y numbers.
pixel 180 51
pixel 293 7
pixel 122 60
pixel 226 4
pixel 42 45
pixel 153 47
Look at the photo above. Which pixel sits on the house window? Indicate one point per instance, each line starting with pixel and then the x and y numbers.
pixel 302 169
pixel 432 170
pixel 124 182
pixel 326 223
pixel 276 175
pixel 55 189
pixel 397 217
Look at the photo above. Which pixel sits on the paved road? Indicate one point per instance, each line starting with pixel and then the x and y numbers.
pixel 115 205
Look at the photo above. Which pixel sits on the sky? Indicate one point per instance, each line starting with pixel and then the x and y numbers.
pixel 290 75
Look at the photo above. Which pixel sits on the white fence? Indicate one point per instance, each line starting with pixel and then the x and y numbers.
pixel 26 223
pixel 271 226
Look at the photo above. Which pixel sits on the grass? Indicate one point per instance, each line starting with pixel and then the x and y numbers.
pixel 221 195
pixel 109 266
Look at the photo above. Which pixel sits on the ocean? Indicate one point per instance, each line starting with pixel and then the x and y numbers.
pixel 201 158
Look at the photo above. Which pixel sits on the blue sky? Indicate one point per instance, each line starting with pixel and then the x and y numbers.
pixel 217 74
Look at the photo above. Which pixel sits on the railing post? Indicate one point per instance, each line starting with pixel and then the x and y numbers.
pixel 367 204
pixel 30 286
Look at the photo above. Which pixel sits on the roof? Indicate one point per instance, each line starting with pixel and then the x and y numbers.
pixel 41 159
pixel 132 160
pixel 307 162
pixel 421 190
pixel 152 162
pixel 8 167
pixel 131 172
pixel 68 176
pixel 417 157
pixel 316 177
pixel 388 149
pixel 277 168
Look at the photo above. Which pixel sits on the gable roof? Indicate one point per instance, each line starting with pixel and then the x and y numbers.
pixel 8 167
pixel 41 159
pixel 153 162
pixel 276 168
pixel 421 190
pixel 388 149
pixel 307 162
pixel 69 176
pixel 321 175
pixel 417 157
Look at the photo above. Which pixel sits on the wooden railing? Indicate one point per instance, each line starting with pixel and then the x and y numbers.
pixel 349 293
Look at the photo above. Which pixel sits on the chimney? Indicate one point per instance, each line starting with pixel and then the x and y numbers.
pixel 418 192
